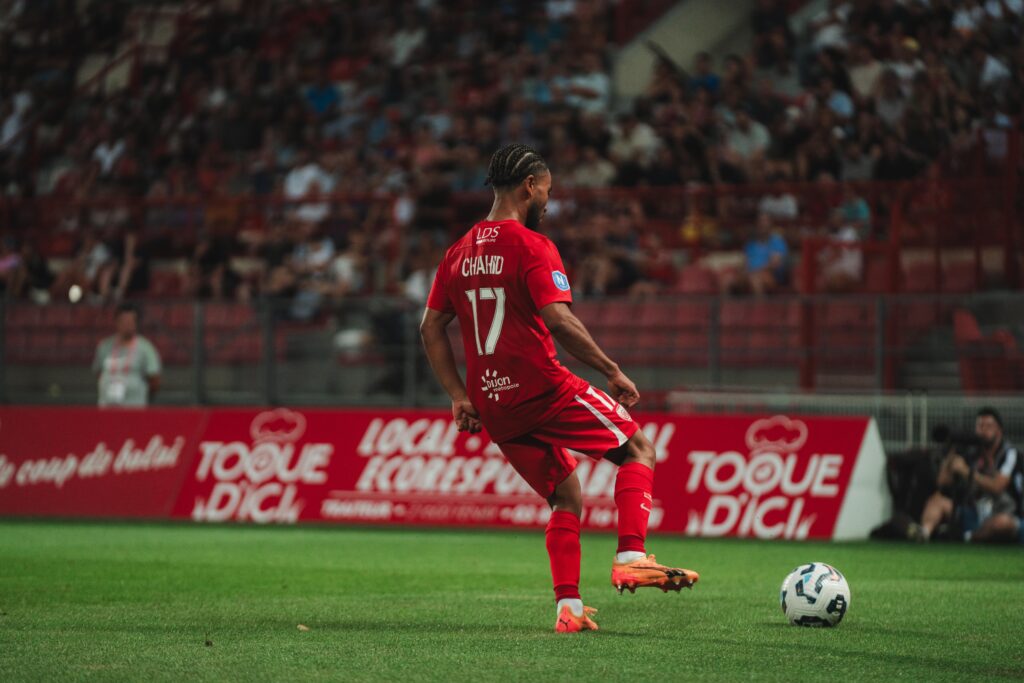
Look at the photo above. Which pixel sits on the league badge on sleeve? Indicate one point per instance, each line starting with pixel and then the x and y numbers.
pixel 561 281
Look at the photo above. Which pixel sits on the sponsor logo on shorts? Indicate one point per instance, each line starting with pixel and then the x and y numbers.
pixel 561 281
pixel 493 385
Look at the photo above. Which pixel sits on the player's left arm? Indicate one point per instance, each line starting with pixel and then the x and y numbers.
pixel 433 331
pixel 574 338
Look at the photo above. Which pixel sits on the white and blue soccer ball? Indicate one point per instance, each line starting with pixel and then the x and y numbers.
pixel 815 594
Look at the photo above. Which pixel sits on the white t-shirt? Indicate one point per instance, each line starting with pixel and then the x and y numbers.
pixel 107 154
pixel 638 145
pixel 993 72
pixel 749 142
pixel 299 182
pixel 346 271
pixel 850 262
pixel 779 206
pixel 595 81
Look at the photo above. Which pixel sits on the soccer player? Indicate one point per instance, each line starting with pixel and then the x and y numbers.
pixel 508 287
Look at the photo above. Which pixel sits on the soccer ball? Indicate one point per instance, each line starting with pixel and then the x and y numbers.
pixel 815 594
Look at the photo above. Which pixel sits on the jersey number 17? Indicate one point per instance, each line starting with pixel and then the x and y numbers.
pixel 496 294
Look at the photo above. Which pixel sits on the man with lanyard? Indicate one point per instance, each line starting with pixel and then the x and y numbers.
pixel 127 363
pixel 992 488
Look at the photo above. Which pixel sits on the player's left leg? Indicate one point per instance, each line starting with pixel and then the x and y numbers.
pixel 562 537
pixel 550 471
pixel 634 484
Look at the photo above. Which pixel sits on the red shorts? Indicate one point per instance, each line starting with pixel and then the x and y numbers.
pixel 592 424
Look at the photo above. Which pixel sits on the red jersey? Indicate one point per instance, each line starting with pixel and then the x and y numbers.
pixel 496 279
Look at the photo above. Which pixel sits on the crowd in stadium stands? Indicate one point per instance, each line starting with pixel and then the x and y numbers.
pixel 407 99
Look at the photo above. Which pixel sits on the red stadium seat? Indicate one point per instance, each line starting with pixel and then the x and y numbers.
pixel 697 280
pixel 959 276
pixel 921 276
pixel 876 276
pixel 965 326
pixel 59 315
pixel 589 312
pixel 23 315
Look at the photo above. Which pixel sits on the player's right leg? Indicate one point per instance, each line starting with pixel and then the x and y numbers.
pixel 632 567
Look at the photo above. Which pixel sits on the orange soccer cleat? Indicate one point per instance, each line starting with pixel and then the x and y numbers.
pixel 570 623
pixel 646 572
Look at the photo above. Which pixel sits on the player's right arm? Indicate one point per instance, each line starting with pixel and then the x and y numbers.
pixel 570 332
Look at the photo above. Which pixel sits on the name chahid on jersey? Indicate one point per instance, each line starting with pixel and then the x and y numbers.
pixel 482 265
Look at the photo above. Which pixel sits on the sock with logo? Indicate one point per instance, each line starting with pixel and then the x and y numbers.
pixel 633 486
pixel 562 537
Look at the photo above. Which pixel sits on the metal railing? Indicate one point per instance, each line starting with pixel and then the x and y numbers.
pixel 905 420
pixel 366 351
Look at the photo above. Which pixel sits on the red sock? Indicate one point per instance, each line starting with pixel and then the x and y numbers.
pixel 633 487
pixel 562 536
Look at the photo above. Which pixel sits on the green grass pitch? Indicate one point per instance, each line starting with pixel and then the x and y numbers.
pixel 95 601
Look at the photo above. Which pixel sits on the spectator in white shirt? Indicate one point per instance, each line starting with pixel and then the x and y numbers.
pixel 991 73
pixel 747 141
pixel 590 88
pixel 107 153
pixel 593 171
pixel 633 141
pixel 308 180
pixel 865 72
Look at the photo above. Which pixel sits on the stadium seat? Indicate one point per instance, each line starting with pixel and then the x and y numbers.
pixel 959 276
pixel 165 283
pixel 233 347
pixel 588 311
pixel 618 313
pixel 876 276
pixel 965 326
pixel 58 315
pixel 696 280
pixel 23 315
pixel 736 325
pixel 229 315
pixel 921 276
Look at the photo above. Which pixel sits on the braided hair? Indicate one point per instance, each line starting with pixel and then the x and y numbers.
pixel 512 163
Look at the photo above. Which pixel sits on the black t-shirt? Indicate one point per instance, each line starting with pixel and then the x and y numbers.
pixel 899 167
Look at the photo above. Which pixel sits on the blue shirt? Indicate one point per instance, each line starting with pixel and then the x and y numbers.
pixel 321 99
pixel 841 104
pixel 759 253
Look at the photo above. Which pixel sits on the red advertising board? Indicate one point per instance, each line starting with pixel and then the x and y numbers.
pixel 768 477
pixel 87 462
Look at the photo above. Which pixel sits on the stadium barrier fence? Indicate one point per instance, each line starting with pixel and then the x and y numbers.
pixel 764 476
pixel 366 351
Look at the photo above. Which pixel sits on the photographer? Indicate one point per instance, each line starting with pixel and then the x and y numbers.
pixel 979 489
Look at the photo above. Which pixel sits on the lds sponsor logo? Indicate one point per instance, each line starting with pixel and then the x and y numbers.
pixel 764 492
pixel 493 385
pixel 259 481
pixel 487 234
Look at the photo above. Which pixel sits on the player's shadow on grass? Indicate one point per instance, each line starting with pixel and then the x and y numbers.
pixel 364 625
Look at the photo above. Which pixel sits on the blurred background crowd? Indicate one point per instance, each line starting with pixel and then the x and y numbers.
pixel 329 143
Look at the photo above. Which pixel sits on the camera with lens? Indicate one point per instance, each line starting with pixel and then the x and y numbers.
pixel 967 444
